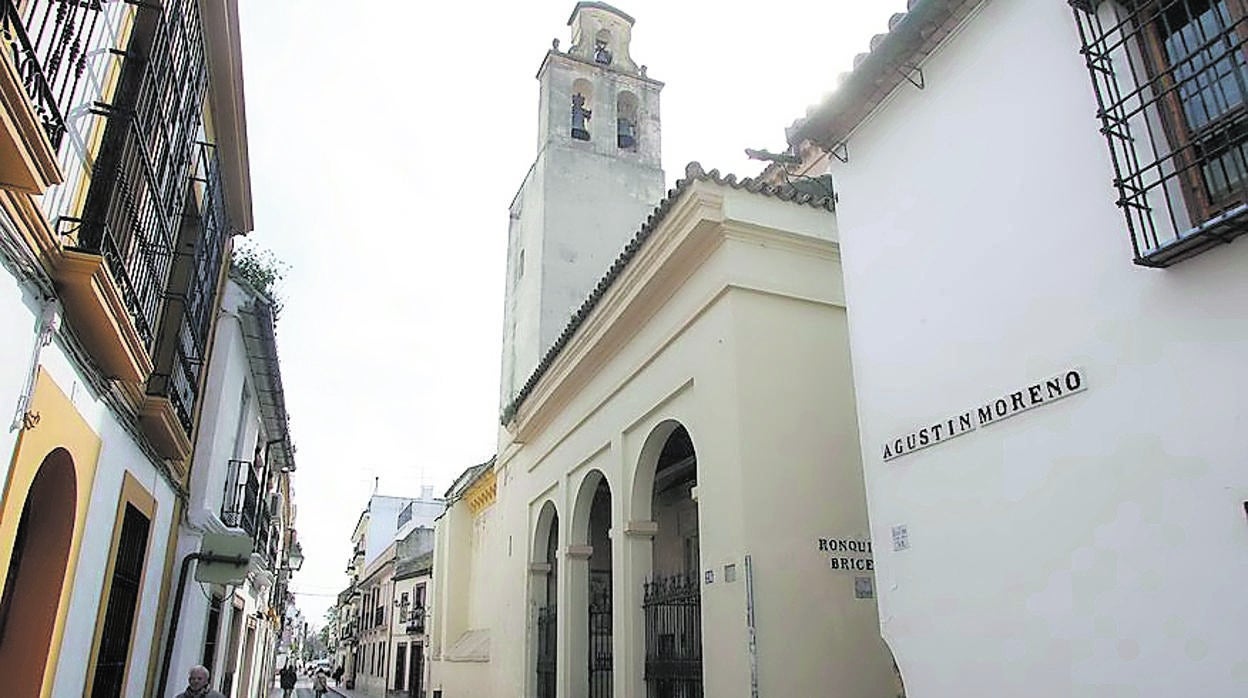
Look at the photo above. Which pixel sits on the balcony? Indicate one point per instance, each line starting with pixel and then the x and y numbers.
pixel 244 507
pixel 44 48
pixel 416 621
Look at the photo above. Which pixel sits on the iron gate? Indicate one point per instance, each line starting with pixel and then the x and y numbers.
pixel 673 611
pixel 546 657
pixel 600 635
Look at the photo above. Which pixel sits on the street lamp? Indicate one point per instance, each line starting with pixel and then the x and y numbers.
pixel 294 560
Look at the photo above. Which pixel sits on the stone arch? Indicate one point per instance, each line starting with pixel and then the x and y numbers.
pixel 582 102
pixel 647 462
pixel 34 581
pixel 588 581
pixel 627 120
pixel 665 560
pixel 543 597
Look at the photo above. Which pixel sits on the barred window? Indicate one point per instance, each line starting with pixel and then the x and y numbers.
pixel 1171 82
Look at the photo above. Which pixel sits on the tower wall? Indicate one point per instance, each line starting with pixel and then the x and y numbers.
pixel 592 185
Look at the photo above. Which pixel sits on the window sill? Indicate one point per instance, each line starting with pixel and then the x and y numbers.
pixel 1218 230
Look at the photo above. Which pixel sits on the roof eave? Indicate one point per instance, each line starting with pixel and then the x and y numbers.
pixel 879 72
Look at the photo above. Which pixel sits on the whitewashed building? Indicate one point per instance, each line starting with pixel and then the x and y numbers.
pixel 676 506
pixel 365 618
pixel 1049 335
pixel 124 176
pixel 240 484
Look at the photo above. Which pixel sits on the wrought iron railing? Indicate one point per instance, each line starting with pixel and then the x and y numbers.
pixel 600 637
pixel 547 657
pixel 673 613
pixel 244 507
pixel 416 621
pixel 1171 83
pixel 179 380
pixel 145 165
pixel 240 508
pixel 49 41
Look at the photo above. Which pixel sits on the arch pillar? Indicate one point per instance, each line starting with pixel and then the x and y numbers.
pixel 574 621
pixel 636 563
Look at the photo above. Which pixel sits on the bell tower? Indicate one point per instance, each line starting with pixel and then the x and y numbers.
pixel 597 175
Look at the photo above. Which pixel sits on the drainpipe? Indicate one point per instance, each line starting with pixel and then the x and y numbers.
pixel 749 626
pixel 177 605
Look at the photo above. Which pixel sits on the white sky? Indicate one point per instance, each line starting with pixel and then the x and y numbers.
pixel 387 140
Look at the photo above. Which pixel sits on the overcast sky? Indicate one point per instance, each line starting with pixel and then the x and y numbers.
pixel 387 140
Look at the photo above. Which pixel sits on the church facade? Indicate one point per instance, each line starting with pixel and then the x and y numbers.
pixel 676 507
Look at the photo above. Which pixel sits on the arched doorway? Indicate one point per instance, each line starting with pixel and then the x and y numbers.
pixel 589 576
pixel 672 597
pixel 545 593
pixel 35 578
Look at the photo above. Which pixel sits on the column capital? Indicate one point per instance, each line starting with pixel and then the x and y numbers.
pixel 641 529
pixel 580 552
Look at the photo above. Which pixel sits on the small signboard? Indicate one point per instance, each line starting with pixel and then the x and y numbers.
pixel 235 545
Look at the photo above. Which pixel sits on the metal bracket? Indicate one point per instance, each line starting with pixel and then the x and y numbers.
pixel 840 151
pixel 909 72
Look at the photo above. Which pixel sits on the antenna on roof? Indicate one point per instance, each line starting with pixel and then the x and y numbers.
pixel 376 484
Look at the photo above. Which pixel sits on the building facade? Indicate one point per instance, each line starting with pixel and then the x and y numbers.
pixel 386 535
pixel 676 494
pixel 123 177
pixel 240 484
pixel 408 672
pixel 1048 334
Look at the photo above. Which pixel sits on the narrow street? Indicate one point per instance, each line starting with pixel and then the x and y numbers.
pixel 303 689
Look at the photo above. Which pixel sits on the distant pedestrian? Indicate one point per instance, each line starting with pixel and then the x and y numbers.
pixel 287 678
pixel 197 685
pixel 319 684
pixel 338 675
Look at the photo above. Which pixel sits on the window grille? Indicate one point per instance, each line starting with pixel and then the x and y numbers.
pixel 49 41
pixel 140 178
pixel 1171 84
pixel 123 600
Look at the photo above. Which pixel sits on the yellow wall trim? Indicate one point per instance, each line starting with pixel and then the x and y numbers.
pixel 133 494
pixel 482 493
pixel 60 426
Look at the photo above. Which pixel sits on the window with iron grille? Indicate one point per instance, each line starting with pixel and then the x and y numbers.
pixel 1171 83
pixel 132 214
pixel 123 601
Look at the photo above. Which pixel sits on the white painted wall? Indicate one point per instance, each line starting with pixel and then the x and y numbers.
pixel 745 355
pixel 119 454
pixel 1091 547
pixel 580 202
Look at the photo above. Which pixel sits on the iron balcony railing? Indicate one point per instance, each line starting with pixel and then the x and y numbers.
pixel 146 163
pixel 416 621
pixel 179 379
pixel 49 41
pixel 243 507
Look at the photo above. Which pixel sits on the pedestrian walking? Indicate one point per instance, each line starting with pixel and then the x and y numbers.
pixel 338 675
pixel 319 684
pixel 197 685
pixel 287 678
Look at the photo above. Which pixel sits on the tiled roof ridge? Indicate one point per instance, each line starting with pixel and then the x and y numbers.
pixel 694 172
pixel 910 36
pixel 872 45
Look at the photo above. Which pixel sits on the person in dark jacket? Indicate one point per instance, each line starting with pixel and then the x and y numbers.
pixel 338 675
pixel 287 678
